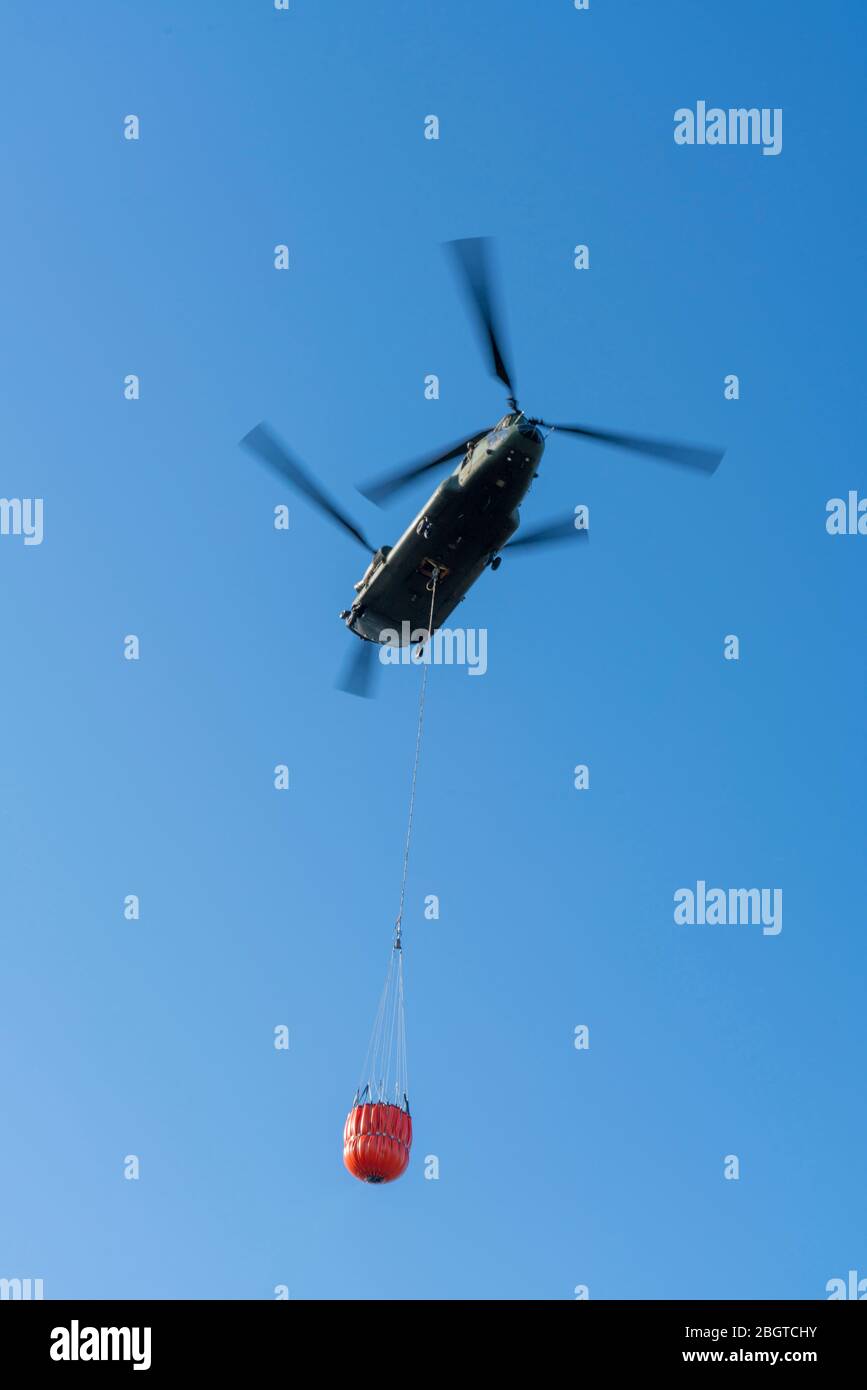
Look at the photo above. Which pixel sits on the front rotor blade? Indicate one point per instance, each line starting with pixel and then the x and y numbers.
pixel 550 534
pixel 380 489
pixel 265 445
pixel 705 460
pixel 358 673
pixel 472 257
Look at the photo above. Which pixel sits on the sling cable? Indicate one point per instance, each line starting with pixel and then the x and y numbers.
pixel 377 1136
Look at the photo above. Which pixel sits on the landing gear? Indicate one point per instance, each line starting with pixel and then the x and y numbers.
pixel 496 562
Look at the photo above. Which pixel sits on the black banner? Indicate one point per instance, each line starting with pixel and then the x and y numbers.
pixel 212 1339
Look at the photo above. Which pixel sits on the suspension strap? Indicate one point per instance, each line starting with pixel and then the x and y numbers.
pixel 386 1051
pixel 399 921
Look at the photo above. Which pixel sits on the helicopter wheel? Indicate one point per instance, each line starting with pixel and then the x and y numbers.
pixel 496 562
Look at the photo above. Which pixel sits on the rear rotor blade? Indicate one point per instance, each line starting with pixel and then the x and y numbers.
pixel 550 534
pixel 270 450
pixel 358 673
pixel 472 256
pixel 379 490
pixel 704 460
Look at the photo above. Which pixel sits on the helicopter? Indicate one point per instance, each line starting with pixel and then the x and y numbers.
pixel 472 517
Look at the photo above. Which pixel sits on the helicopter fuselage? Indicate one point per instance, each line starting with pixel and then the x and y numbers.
pixel 456 536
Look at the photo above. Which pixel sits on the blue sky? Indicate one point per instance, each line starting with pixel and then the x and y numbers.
pixel 258 908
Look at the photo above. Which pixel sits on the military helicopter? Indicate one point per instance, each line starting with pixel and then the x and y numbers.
pixel 473 515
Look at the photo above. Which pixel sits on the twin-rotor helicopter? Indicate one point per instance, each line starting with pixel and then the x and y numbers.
pixel 473 515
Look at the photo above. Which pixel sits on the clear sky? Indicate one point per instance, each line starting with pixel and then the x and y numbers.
pixel 154 1038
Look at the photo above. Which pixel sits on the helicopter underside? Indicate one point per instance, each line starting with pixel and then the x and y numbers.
pixel 456 534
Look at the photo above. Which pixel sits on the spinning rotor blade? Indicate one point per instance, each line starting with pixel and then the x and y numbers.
pixel 688 455
pixel 550 534
pixel 472 257
pixel 358 673
pixel 380 489
pixel 265 445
